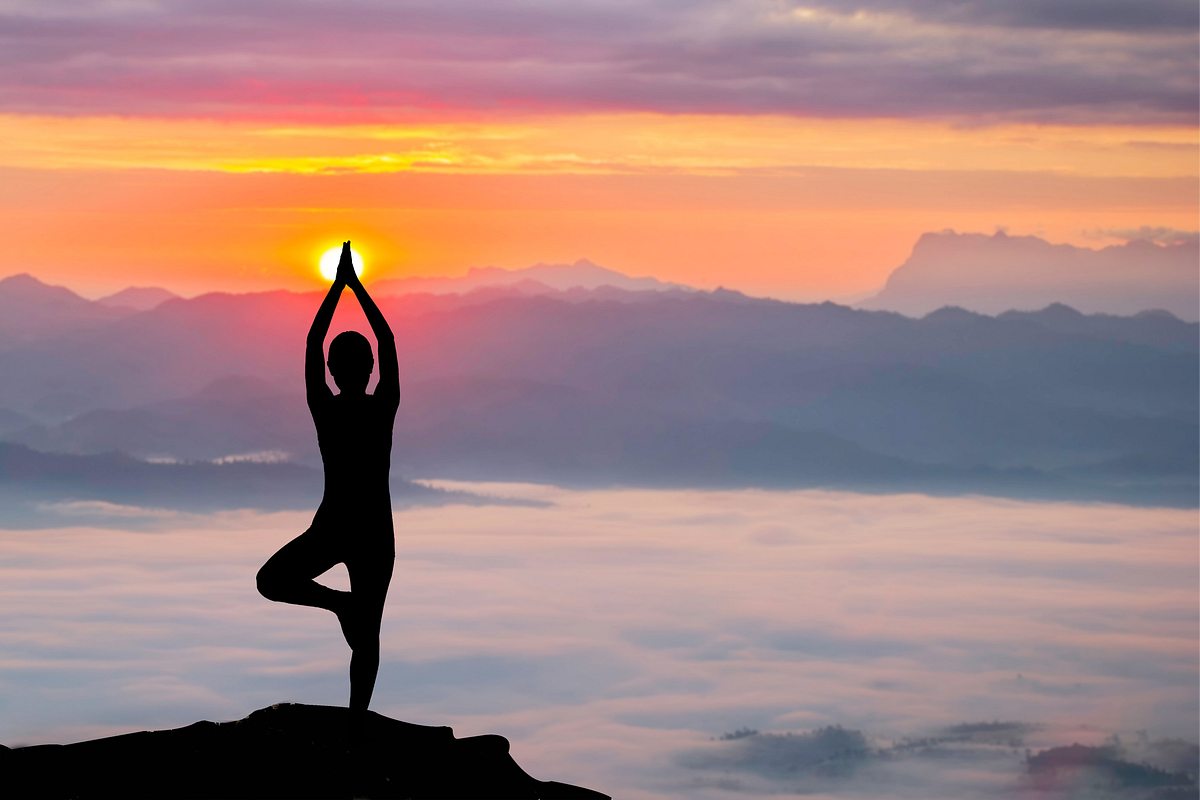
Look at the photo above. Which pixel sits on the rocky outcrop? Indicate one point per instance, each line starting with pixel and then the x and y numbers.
pixel 284 751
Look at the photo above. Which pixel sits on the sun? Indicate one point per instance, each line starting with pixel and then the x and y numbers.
pixel 330 258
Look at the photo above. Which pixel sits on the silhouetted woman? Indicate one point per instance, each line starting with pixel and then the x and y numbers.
pixel 353 524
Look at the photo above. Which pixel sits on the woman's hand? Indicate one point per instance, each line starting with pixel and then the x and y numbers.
pixel 345 267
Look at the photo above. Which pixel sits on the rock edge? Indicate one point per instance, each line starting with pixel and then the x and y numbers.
pixel 287 750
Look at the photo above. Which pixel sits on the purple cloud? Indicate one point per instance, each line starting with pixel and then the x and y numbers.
pixel 962 59
pixel 1069 15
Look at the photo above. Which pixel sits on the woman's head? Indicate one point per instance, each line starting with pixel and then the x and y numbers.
pixel 350 361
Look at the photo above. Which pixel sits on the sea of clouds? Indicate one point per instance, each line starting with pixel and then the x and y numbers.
pixel 614 636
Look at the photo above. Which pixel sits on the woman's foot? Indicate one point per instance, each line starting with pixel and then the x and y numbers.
pixel 344 608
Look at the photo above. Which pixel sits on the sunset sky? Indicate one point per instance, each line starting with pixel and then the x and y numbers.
pixel 795 149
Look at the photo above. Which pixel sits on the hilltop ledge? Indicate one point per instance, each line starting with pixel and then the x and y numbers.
pixel 287 750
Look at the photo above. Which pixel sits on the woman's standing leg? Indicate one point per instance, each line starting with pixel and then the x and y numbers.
pixel 369 579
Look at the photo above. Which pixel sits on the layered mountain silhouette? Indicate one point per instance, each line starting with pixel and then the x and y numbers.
pixel 611 386
pixel 284 751
pixel 138 298
pixel 32 310
pixel 992 274
pixel 582 274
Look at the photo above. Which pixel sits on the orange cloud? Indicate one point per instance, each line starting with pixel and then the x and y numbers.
pixel 630 143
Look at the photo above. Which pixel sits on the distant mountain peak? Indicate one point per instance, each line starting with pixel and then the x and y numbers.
pixel 725 293
pixel 581 274
pixel 580 264
pixel 140 298
pixel 951 314
pixel 1156 313
pixel 20 279
pixel 25 285
pixel 1001 272
pixel 1061 310
pixel 31 308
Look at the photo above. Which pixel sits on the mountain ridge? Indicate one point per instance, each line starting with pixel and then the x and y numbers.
pixel 30 308
pixel 581 274
pixel 998 273
pixel 138 298
pixel 688 388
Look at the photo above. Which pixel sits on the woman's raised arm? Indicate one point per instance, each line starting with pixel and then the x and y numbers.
pixel 315 386
pixel 389 370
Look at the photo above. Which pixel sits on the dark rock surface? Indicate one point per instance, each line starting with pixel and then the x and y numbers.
pixel 284 751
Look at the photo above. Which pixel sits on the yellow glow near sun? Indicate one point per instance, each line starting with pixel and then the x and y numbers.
pixel 330 258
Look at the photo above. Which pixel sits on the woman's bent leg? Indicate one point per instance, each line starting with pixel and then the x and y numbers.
pixel 287 577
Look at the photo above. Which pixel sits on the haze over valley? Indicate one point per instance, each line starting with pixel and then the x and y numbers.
pixel 579 375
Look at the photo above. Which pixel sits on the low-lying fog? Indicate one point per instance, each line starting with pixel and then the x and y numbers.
pixel 615 636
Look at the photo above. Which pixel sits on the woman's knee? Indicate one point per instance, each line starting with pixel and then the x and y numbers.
pixel 268 581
